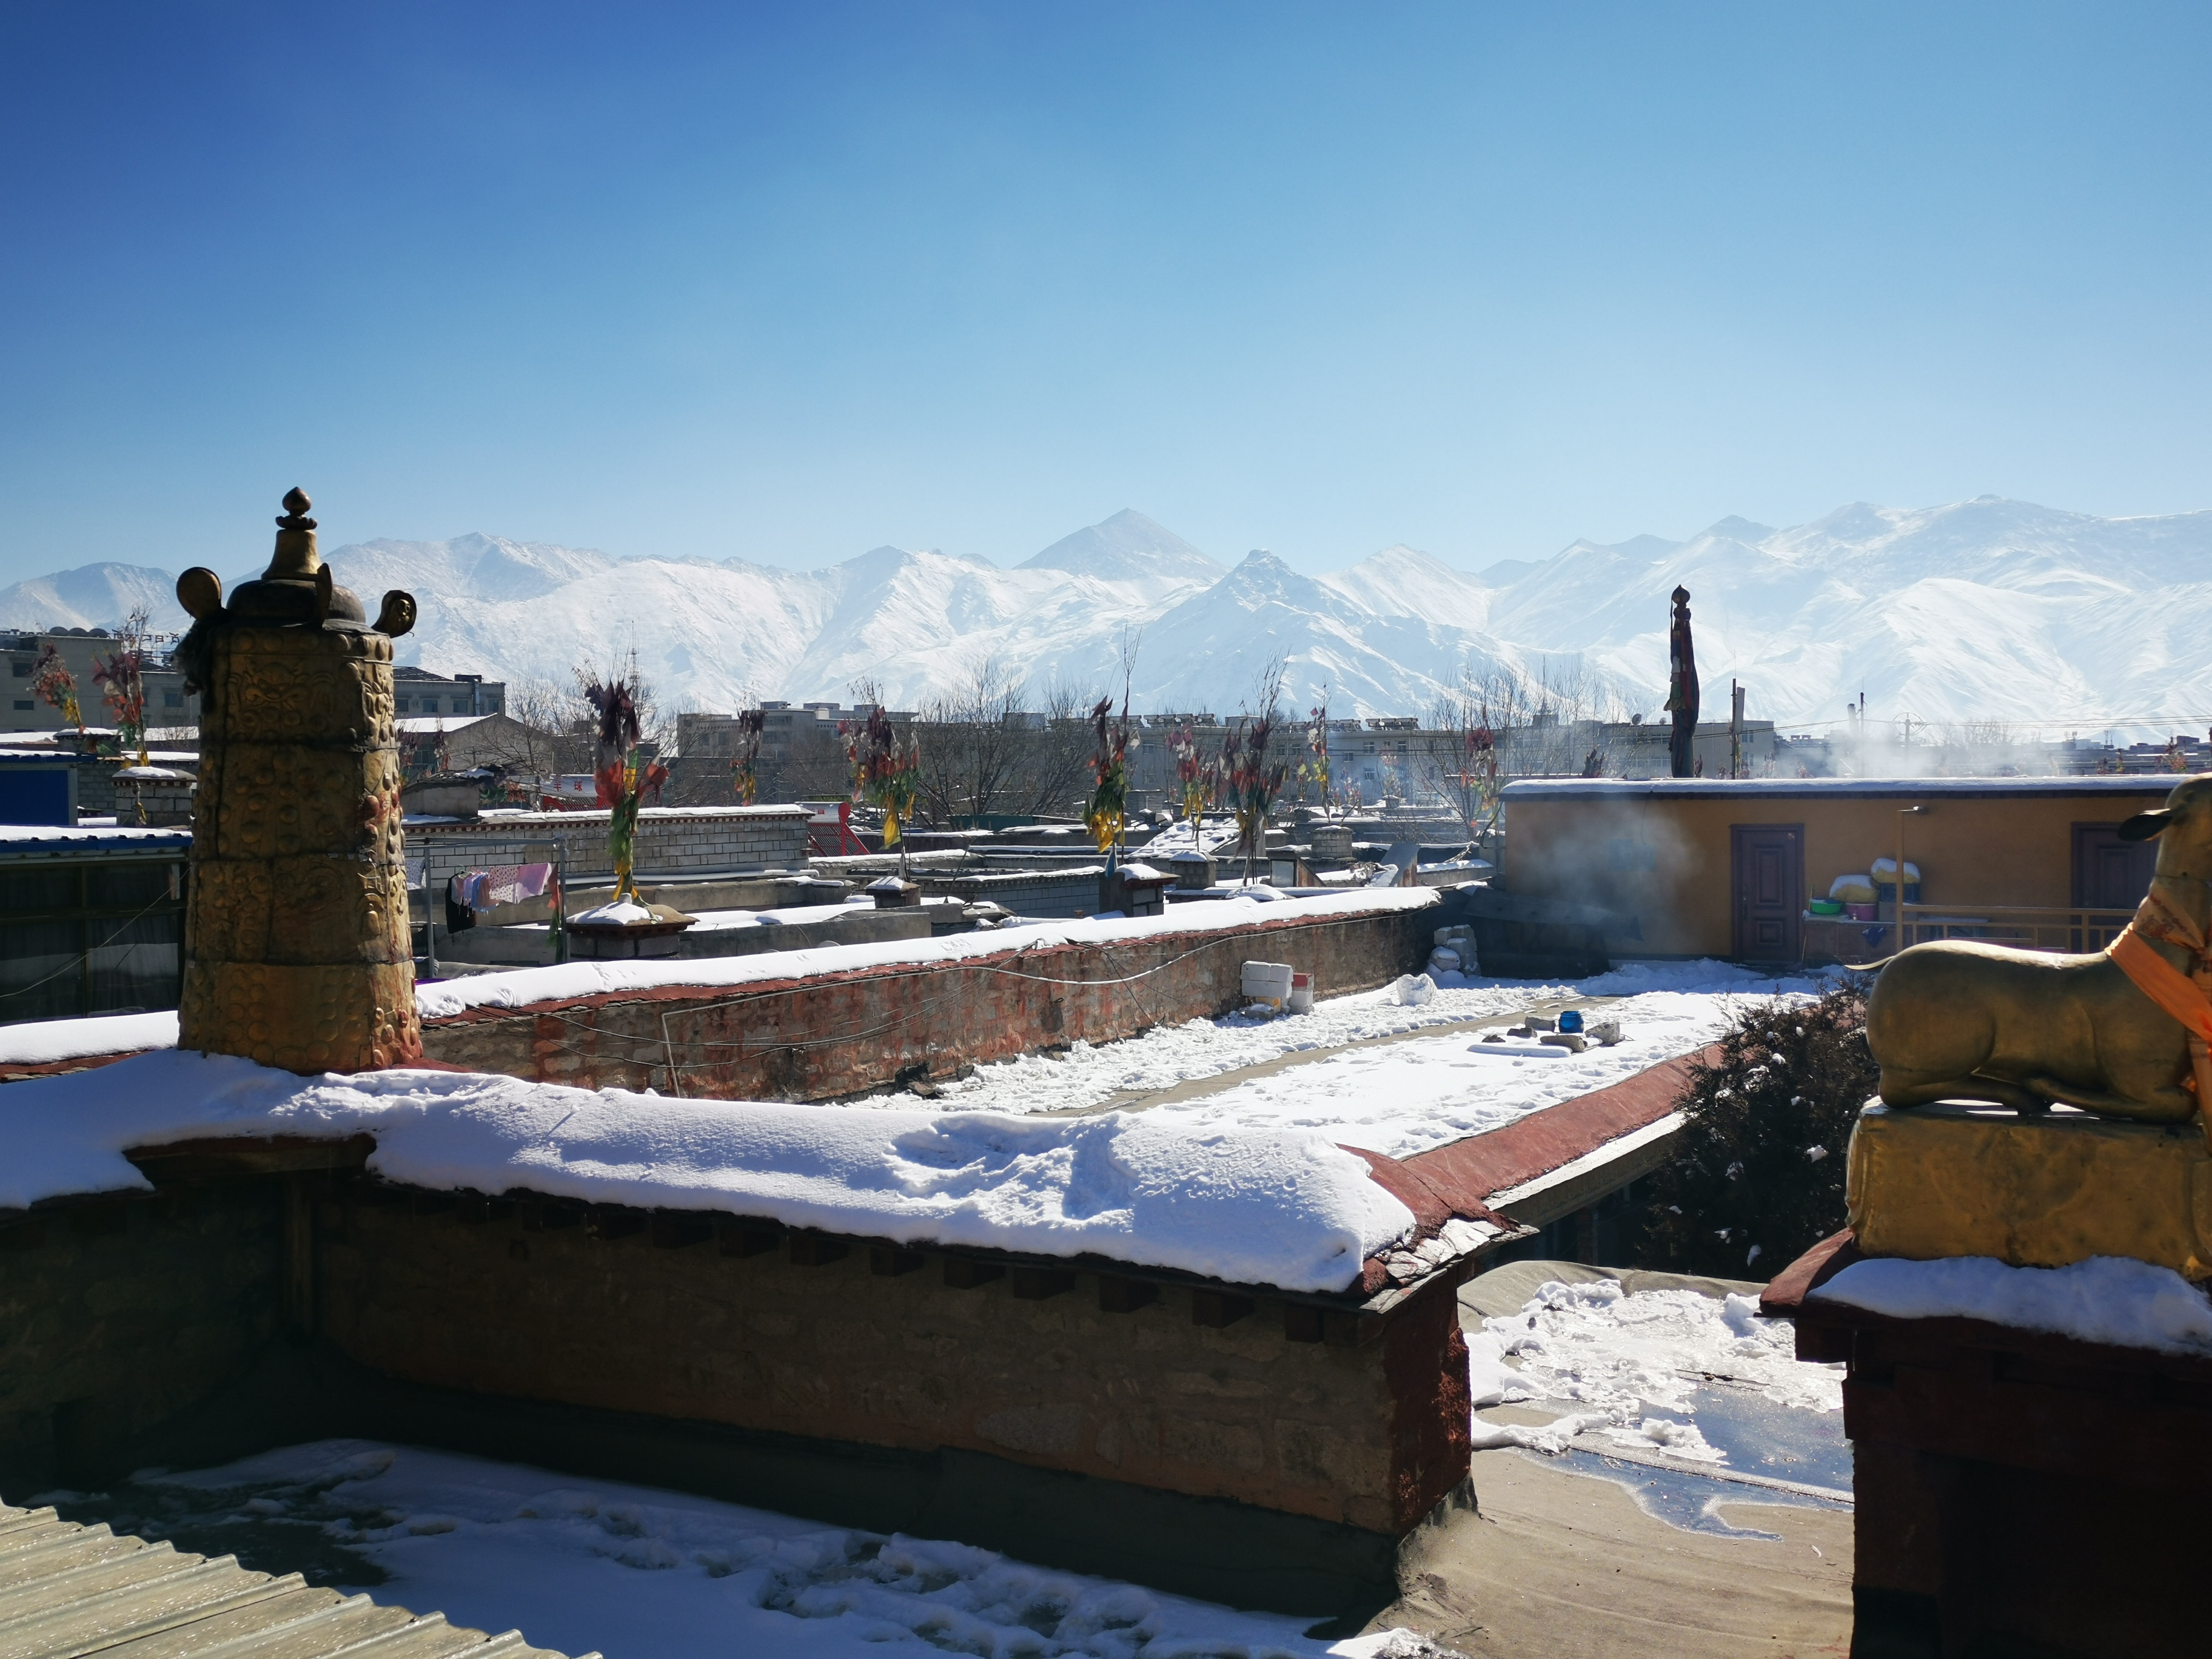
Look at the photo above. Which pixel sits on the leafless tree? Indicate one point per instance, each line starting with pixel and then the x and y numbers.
pixel 1499 724
pixel 1987 748
pixel 548 734
pixel 993 745
pixel 971 743
pixel 1057 752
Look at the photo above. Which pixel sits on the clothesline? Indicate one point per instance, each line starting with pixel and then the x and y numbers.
pixel 468 892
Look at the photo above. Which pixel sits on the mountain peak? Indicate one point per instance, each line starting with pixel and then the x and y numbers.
pixel 1733 529
pixel 1127 547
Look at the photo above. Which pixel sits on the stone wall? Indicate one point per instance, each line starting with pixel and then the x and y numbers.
pixel 116 1315
pixel 1266 1452
pixel 673 842
pixel 1044 893
pixel 829 1035
pixel 843 1350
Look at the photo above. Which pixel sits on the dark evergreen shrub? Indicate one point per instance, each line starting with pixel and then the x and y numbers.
pixel 1757 1175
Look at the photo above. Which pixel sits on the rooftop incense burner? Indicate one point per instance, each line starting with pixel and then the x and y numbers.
pixel 297 952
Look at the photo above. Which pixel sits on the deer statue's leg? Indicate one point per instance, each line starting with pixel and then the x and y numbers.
pixel 1902 1088
pixel 2170 1104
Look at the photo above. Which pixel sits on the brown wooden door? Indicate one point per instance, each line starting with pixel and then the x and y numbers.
pixel 2109 874
pixel 1767 862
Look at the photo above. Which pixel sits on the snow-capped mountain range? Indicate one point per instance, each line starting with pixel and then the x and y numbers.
pixel 1982 610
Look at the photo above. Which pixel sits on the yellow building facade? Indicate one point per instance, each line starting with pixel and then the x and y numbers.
pixel 1726 869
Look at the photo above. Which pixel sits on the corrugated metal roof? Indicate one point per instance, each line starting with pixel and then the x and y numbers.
pixel 67 1590
pixel 50 840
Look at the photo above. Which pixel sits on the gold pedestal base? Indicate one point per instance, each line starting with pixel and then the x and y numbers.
pixel 1947 1180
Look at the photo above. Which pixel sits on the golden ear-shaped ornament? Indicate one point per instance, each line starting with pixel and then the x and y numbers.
pixel 397 615
pixel 199 590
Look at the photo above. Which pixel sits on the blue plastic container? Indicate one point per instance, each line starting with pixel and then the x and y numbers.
pixel 1571 1020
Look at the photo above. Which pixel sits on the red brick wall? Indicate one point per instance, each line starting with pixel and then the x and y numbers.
pixel 831 1035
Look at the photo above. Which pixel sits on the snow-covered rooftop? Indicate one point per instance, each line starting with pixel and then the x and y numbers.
pixel 93 837
pixel 1285 1208
pixel 1374 1079
pixel 582 817
pixel 1770 788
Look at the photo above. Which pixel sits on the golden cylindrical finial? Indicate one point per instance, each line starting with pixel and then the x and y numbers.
pixel 296 554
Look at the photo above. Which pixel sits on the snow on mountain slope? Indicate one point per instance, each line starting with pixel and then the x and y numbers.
pixel 472 567
pixel 1403 581
pixel 1367 655
pixel 920 625
pixel 93 596
pixel 706 636
pixel 1982 609
pixel 1988 609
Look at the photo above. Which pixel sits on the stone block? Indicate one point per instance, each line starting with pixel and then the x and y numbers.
pixel 2039 1192
pixel 1213 1443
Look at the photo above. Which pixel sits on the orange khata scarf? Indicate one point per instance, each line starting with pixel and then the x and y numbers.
pixel 2187 997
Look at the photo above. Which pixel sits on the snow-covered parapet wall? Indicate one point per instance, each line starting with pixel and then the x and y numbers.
pixel 49 1042
pixel 525 986
pixel 1281 1208
pixel 2129 1304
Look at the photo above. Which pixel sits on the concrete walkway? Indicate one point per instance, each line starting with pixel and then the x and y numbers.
pixel 1561 1566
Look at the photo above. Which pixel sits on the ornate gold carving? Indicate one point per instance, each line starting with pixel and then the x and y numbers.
pixel 277 800
pixel 352 1018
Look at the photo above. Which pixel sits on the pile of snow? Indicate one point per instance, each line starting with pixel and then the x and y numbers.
pixel 620 912
pixel 631 1571
pixel 1412 990
pixel 1286 1209
pixel 2130 1304
pixel 1620 1364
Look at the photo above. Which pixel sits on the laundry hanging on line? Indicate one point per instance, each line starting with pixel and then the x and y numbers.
pixel 471 890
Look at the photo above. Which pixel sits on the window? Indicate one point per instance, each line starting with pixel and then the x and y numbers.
pixel 400 704
pixel 22 667
pixel 430 705
pixel 172 700
pixel 23 703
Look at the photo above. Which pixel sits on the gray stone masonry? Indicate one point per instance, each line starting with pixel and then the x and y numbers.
pixel 671 841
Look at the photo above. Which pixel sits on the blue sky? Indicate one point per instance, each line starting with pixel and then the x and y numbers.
pixel 788 283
